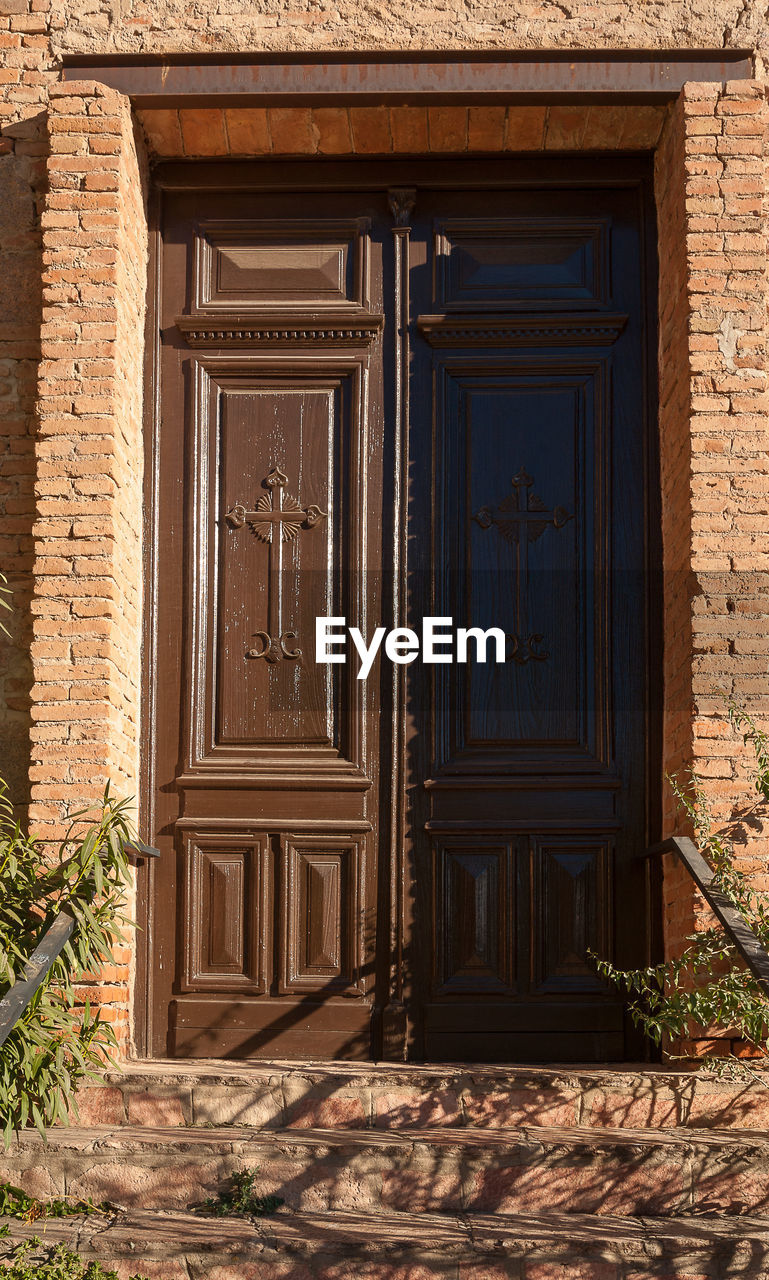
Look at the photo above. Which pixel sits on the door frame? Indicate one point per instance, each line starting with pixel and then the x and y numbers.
pixel 524 169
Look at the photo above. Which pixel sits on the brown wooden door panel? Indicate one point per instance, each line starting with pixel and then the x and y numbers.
pixel 420 387
pixel 270 456
pixel 291 264
pixel 528 503
pixel 526 262
pixel 572 895
pixel 288 1029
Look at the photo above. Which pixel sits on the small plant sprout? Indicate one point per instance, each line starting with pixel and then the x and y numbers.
pixel 241 1199
pixel 33 1260
pixel 15 1203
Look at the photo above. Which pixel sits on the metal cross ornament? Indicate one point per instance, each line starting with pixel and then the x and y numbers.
pixel 521 518
pixel 277 518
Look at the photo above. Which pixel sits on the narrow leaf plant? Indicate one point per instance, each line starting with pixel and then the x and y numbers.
pixel 59 1039
pixel 707 987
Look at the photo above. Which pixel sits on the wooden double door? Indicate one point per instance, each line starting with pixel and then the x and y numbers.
pixel 390 392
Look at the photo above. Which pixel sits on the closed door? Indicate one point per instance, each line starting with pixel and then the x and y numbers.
pixel 528 515
pixel 391 393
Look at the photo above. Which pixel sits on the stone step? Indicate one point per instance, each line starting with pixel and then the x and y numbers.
pixel 356 1245
pixel 533 1169
pixel 398 1096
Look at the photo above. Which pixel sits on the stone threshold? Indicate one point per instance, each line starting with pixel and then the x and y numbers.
pixel 545 1073
pixel 615 1172
pixel 146 1234
pixel 528 1140
pixel 361 1095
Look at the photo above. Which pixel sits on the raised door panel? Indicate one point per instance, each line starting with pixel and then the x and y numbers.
pixel 323 925
pixel 520 542
pixel 572 883
pixel 474 917
pixel 279 534
pixel 292 265
pixel 504 264
pixel 227 931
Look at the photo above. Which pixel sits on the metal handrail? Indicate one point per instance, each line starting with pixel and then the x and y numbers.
pixel 17 999
pixel 741 934
pixel 50 947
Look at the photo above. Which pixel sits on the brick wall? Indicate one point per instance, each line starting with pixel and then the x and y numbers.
pixel 88 537
pixel 676 506
pixel 714 432
pixel 25 68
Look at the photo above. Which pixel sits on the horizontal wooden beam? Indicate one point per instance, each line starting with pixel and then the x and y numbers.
pixel 530 76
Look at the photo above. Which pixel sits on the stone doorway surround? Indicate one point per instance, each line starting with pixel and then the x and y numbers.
pixel 93 586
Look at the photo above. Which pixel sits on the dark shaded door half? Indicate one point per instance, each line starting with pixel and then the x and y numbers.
pixel 391 392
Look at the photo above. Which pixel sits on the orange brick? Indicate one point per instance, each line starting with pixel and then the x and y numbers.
pixel 292 131
pixel 604 125
pixel 370 130
pixel 247 131
pixel 408 127
pixel 565 127
pixel 447 128
pixel 203 132
pixel 333 129
pixel 525 128
pixel 643 125
pixel 486 128
pixel 163 131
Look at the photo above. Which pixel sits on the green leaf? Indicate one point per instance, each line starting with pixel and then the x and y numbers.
pixel 56 1044
pixel 707 985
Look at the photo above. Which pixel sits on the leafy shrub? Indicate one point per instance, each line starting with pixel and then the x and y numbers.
pixel 242 1199
pixel 15 1203
pixel 30 1260
pixel 55 1044
pixel 707 985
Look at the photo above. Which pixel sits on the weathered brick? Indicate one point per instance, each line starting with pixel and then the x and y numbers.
pixel 247 131
pixel 564 127
pixel 370 130
pixel 447 128
pixel 292 131
pixel 333 128
pixel 163 132
pixel 203 132
pixel 525 128
pixel 408 127
pixel 486 128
